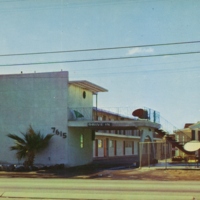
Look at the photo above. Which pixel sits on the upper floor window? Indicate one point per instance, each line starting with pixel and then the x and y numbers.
pixel 84 94
pixel 99 118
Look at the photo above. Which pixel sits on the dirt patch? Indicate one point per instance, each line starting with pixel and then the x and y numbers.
pixel 107 172
pixel 151 174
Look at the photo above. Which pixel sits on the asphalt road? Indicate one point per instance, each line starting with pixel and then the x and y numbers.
pixel 27 188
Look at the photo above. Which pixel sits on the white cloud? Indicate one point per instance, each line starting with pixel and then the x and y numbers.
pixel 140 50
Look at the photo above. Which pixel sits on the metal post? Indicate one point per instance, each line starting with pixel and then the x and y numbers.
pixel 148 154
pixel 140 154
pixel 96 118
pixel 165 154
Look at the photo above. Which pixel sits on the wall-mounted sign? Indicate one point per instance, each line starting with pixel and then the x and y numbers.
pixel 60 133
pixel 99 124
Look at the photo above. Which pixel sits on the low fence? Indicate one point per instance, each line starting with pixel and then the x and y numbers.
pixel 155 154
pixel 162 155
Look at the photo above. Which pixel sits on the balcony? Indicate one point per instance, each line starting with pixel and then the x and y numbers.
pixel 99 114
pixel 108 114
pixel 109 119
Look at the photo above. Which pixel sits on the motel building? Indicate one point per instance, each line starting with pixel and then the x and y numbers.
pixel 118 136
pixel 190 132
pixel 50 103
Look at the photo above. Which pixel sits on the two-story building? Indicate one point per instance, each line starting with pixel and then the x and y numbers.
pixel 50 103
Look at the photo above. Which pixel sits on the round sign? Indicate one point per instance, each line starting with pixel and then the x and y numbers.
pixel 193 145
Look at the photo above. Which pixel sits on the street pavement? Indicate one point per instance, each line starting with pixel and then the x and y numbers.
pixel 85 189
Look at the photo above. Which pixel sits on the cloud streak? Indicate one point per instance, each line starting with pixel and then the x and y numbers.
pixel 140 50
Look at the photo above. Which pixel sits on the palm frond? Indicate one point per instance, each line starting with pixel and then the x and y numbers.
pixel 21 154
pixel 21 151
pixel 46 140
pixel 31 143
pixel 16 138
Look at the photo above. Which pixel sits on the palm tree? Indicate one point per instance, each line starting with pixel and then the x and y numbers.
pixel 31 143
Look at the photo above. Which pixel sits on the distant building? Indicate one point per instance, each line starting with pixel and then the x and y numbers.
pixel 191 131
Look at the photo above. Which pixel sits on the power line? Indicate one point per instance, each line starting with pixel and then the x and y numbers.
pixel 142 65
pixel 99 49
pixel 165 70
pixel 100 59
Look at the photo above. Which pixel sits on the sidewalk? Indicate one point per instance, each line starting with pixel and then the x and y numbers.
pixel 169 165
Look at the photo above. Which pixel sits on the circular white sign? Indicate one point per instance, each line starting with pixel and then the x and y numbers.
pixel 193 145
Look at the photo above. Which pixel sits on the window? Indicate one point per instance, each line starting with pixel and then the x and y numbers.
pixel 121 132
pixel 104 117
pixel 84 94
pixel 128 132
pixel 111 143
pixel 112 131
pixel 81 141
pixel 128 144
pixel 99 118
pixel 100 143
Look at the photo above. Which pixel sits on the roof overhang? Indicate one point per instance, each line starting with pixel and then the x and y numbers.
pixel 88 86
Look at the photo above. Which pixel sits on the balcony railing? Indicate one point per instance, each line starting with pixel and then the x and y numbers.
pixel 92 113
pixel 170 128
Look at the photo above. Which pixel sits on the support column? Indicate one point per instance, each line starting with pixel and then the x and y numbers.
pixel 96 148
pixel 145 133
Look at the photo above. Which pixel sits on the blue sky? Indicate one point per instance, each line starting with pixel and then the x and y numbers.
pixel 168 84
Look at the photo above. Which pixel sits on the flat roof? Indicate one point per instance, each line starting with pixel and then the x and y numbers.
pixel 88 86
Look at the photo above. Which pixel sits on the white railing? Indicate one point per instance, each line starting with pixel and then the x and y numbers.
pixel 89 113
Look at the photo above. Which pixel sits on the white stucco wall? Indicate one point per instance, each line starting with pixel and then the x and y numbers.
pixel 40 100
pixel 147 133
pixel 76 97
pixel 80 104
pixel 76 154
